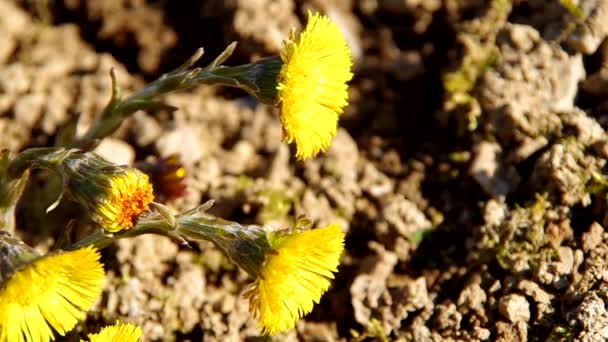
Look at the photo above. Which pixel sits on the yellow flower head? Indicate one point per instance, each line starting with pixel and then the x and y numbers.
pixel 114 195
pixel 312 87
pixel 128 195
pixel 49 292
pixel 296 272
pixel 123 332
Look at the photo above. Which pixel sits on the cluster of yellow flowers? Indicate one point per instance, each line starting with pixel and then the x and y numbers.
pixel 41 296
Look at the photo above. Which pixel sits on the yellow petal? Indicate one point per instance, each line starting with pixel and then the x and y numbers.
pixel 123 332
pixel 52 291
pixel 128 195
pixel 295 276
pixel 312 85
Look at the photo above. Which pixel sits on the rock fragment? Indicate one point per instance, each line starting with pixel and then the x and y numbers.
pixel 515 308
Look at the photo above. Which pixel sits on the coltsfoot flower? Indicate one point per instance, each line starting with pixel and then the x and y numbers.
pixel 115 195
pixel 128 195
pixel 308 82
pixel 294 276
pixel 312 87
pixel 45 294
pixel 123 332
pixel 292 269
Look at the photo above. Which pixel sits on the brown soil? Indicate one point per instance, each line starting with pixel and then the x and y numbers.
pixel 474 203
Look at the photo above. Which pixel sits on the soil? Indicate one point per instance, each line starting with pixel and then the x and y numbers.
pixel 467 172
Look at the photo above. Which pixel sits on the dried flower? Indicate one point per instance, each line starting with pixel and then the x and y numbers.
pixel 123 332
pixel 115 195
pixel 45 293
pixel 167 176
pixel 296 272
pixel 312 87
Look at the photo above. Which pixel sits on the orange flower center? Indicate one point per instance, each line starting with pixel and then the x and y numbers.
pixel 131 194
pixel 132 205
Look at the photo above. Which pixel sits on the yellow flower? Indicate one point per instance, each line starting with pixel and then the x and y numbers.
pixel 312 87
pixel 296 272
pixel 123 332
pixel 128 195
pixel 114 195
pixel 49 292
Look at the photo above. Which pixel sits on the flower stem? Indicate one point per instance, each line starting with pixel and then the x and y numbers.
pixel 245 246
pixel 184 77
pixel 152 223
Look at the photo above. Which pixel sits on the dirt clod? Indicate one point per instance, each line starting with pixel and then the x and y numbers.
pixel 515 308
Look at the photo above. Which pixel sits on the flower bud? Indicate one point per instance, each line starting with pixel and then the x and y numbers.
pixel 114 195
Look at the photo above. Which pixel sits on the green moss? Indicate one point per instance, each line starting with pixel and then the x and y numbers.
pixel 562 333
pixel 244 183
pixel 373 331
pixel 522 238
pixel 478 38
pixel 459 157
pixel 597 184
pixel 419 236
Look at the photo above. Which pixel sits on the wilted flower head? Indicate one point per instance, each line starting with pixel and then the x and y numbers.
pixel 115 195
pixel 312 87
pixel 167 176
pixel 123 332
pixel 45 294
pixel 296 272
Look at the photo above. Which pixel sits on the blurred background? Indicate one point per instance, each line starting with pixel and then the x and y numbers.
pixel 467 172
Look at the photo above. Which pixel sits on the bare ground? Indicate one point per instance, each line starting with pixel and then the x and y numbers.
pixel 467 172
